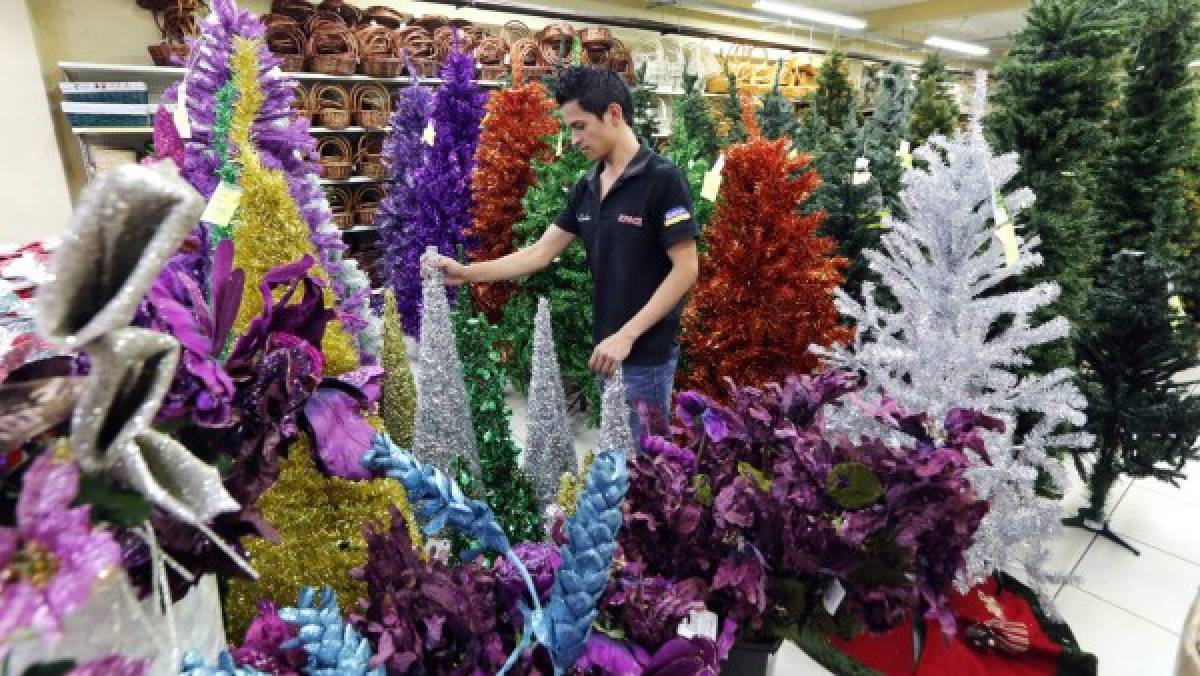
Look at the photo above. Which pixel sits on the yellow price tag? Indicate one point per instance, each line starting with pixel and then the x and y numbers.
pixel 999 213
pixel 429 134
pixel 222 205
pixel 1176 304
pixel 559 148
pixel 180 115
pixel 881 223
pixel 905 155
pixel 1007 234
pixel 712 180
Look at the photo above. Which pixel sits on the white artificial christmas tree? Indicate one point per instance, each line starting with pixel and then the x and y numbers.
pixel 954 341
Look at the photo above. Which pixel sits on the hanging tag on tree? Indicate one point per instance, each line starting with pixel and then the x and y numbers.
pixel 835 593
pixel 180 115
pixel 712 180
pixel 905 154
pixel 999 213
pixel 699 623
pixel 558 149
pixel 882 222
pixel 429 134
pixel 1176 304
pixel 1007 235
pixel 222 205
pixel 862 171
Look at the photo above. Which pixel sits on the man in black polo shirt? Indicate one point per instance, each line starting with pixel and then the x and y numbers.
pixel 634 214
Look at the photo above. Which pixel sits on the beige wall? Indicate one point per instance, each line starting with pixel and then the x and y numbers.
pixel 33 191
pixel 118 31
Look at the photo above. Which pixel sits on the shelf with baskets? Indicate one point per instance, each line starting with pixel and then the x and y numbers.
pixel 77 70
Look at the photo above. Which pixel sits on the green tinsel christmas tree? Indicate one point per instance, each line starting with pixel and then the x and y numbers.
pixel 645 105
pixel 934 112
pixel 1134 348
pixel 731 108
pixel 834 93
pixel 1049 106
pixel 567 283
pixel 505 487
pixel 398 401
pixel 777 117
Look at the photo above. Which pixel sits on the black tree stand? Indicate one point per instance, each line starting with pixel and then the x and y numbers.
pixel 1084 521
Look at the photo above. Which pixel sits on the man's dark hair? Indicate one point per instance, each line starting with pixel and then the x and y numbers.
pixel 594 89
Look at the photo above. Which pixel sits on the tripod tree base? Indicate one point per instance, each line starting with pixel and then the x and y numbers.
pixel 1083 520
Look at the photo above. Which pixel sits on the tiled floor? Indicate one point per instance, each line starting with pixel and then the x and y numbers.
pixel 1128 610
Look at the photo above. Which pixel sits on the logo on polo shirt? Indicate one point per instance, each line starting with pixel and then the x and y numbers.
pixel 582 217
pixel 676 215
pixel 629 220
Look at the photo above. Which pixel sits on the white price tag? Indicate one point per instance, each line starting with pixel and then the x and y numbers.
pixel 430 134
pixel 835 593
pixel 437 547
pixel 558 149
pixel 699 623
pixel 222 205
pixel 1007 235
pixel 180 115
pixel 712 180
pixel 905 155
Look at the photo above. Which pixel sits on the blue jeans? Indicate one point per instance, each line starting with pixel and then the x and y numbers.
pixel 651 384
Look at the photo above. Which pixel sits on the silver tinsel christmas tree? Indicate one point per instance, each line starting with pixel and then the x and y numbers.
pixel 443 427
pixel 615 431
pixel 954 341
pixel 549 446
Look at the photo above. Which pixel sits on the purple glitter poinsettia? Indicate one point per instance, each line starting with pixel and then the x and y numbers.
pixel 51 559
pixel 405 154
pixel 696 656
pixel 176 305
pixel 262 647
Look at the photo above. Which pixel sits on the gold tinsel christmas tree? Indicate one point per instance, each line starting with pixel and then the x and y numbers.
pixel 398 405
pixel 320 523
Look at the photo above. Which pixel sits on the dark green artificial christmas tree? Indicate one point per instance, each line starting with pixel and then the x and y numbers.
pixel 1049 106
pixel 934 112
pixel 502 483
pixel 849 194
pixel 1141 196
pixel 834 93
pixel 645 105
pixel 777 117
pixel 886 130
pixel 567 283
pixel 1131 352
pixel 731 108
pixel 693 120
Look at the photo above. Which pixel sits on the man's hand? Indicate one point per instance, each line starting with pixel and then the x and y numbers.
pixel 609 354
pixel 455 273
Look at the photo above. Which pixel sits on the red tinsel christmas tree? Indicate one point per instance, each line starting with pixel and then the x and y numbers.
pixel 517 123
pixel 765 291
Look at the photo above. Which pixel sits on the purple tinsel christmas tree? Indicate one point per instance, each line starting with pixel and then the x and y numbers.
pixel 405 154
pixel 283 143
pixel 443 184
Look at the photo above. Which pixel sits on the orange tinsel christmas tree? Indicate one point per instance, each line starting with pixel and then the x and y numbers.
pixel 515 128
pixel 765 291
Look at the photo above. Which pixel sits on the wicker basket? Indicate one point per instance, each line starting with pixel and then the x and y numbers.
pixel 335 157
pixel 366 203
pixel 286 40
pixel 332 50
pixel 554 42
pixel 349 13
pixel 372 105
pixel 376 52
pixel 302 103
pixel 526 58
pixel 370 156
pixel 415 44
pixel 341 205
pixel 168 54
pixel 299 10
pixel 383 16
pixel 332 105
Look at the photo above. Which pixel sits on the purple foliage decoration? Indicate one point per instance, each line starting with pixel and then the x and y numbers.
pixel 405 153
pixel 443 184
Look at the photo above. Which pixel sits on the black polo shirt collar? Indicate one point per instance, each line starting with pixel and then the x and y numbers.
pixel 636 166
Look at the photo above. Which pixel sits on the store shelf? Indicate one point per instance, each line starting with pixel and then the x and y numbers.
pixel 112 131
pixel 353 180
pixel 76 70
pixel 346 130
